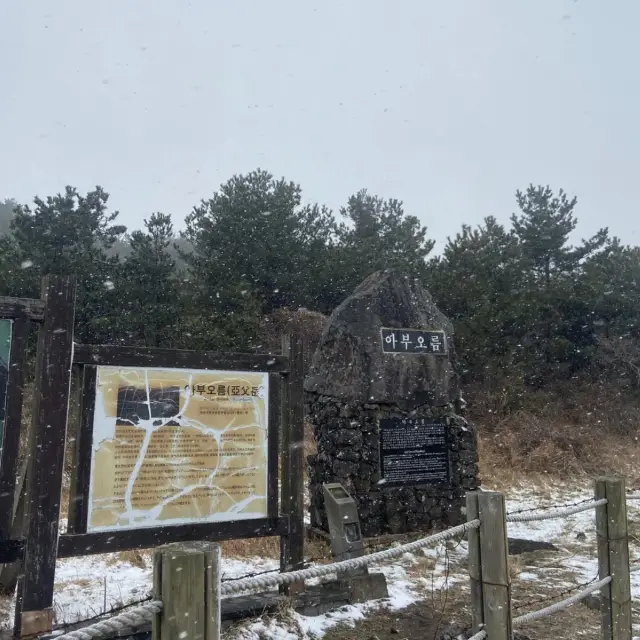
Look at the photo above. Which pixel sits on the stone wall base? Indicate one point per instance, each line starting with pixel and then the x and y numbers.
pixel 347 442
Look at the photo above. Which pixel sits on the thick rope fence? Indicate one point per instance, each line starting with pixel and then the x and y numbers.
pixel 128 620
pixel 563 604
pixel 559 513
pixel 284 579
pixel 551 609
pixel 141 616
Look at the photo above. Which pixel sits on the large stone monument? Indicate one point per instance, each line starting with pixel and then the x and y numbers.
pixel 382 396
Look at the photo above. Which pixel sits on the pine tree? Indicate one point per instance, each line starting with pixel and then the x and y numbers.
pixel 474 282
pixel 558 339
pixel 68 234
pixel 375 234
pixel 256 248
pixel 543 229
pixel 149 288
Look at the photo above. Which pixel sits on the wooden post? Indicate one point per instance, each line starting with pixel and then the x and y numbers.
pixel 475 565
pixel 73 436
pixel 274 432
pixel 79 494
pixel 12 420
pixel 34 612
pixel 292 498
pixel 9 573
pixel 613 559
pixel 186 577
pixel 12 483
pixel 494 555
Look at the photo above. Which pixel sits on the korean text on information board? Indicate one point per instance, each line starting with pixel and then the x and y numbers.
pixel 413 451
pixel 413 341
pixel 178 446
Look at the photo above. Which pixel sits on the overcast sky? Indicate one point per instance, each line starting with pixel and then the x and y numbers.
pixel 448 105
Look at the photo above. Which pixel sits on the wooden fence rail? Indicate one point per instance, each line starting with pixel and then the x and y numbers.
pixel 188 593
pixel 489 571
pixel 492 614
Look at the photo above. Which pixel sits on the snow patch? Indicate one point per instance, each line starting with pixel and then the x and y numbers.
pixel 84 584
pixel 526 575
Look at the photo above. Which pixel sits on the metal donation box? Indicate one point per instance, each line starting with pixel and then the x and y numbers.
pixel 344 524
pixel 347 543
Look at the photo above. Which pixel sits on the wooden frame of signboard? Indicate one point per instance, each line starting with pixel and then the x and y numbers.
pixel 16 311
pixel 45 456
pixel 86 360
pixel 285 516
pixel 24 314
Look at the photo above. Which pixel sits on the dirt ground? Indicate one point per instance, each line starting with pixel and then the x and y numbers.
pixel 417 621
pixel 421 622
pixel 439 611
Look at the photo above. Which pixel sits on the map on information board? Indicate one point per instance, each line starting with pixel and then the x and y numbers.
pixel 177 446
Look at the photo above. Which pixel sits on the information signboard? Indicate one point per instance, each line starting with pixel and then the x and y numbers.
pixel 177 446
pixel 413 451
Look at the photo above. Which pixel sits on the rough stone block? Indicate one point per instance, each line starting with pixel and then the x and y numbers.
pixel 352 385
pixel 362 588
pixel 352 335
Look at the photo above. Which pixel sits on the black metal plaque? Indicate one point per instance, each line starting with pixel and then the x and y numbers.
pixel 413 341
pixel 413 451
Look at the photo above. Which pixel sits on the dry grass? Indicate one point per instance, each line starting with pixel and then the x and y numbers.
pixel 318 550
pixel 506 459
pixel 264 547
pixel 571 432
pixel 136 557
pixel 562 625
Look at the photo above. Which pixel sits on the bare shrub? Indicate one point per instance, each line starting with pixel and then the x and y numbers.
pixel 621 356
pixel 576 429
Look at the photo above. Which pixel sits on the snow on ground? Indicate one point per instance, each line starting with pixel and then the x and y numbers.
pixel 527 575
pixel 403 588
pixel 83 585
pixel 575 564
pixel 87 586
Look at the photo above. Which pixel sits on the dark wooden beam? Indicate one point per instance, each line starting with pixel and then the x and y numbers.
pixel 116 356
pixel 292 492
pixel 273 444
pixel 22 308
pixel 12 422
pixel 70 546
pixel 11 550
pixel 34 610
pixel 79 494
